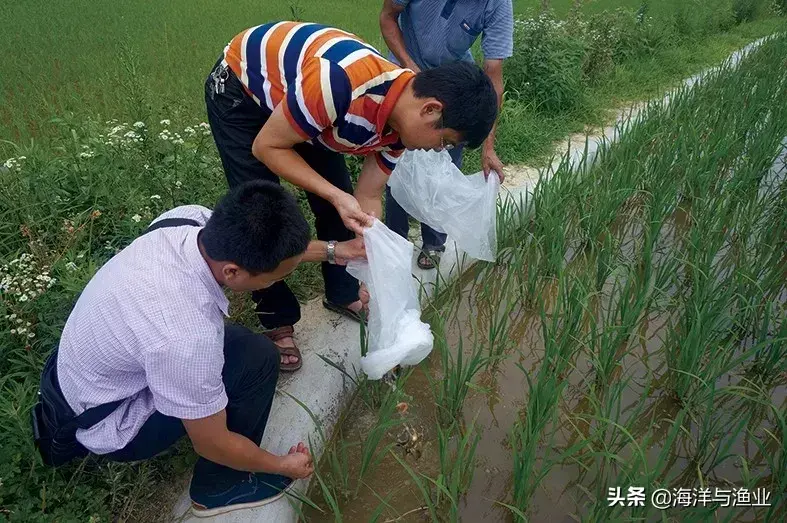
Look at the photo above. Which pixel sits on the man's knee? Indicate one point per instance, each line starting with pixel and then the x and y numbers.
pixel 252 355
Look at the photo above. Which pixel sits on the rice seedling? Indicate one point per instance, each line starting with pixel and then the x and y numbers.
pixel 561 329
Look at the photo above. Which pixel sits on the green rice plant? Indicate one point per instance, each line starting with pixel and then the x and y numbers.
pixel 770 361
pixel 371 444
pixel 562 328
pixel 334 476
pixel 456 449
pixel 457 369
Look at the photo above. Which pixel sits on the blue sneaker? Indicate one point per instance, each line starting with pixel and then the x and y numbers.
pixel 255 491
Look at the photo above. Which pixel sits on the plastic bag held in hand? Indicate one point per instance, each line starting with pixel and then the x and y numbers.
pixel 397 336
pixel 434 191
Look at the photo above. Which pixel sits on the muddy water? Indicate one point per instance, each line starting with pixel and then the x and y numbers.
pixel 498 400
pixel 496 404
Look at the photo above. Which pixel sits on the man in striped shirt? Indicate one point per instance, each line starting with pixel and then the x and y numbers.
pixel 289 99
pixel 424 34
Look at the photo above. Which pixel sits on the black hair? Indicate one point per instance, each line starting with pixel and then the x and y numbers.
pixel 257 225
pixel 468 97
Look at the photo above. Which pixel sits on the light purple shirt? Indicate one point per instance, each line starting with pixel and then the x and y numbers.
pixel 149 327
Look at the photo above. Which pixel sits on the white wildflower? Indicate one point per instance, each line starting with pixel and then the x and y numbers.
pixel 11 317
pixel 137 218
pixel 139 125
pixel 178 184
pixel 164 122
pixel 31 334
pixel 155 197
pixel 13 331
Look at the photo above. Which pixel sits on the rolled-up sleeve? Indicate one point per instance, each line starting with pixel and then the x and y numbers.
pixel 387 160
pixel 497 41
pixel 185 378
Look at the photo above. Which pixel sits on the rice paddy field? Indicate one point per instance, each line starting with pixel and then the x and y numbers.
pixel 632 334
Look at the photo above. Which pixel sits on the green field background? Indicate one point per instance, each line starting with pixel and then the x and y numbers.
pixel 103 57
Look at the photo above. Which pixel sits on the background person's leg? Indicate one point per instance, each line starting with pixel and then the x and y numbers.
pixel 396 218
pixel 340 287
pixel 251 369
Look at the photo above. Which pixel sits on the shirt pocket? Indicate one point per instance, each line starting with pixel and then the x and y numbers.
pixel 461 38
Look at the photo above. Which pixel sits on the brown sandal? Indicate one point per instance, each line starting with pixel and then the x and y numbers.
pixel 286 332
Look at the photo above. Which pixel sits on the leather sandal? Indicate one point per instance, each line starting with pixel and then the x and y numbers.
pixel 278 334
pixel 344 311
pixel 429 258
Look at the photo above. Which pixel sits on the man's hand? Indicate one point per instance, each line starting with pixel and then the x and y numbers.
pixel 351 213
pixel 490 162
pixel 350 250
pixel 363 295
pixel 297 464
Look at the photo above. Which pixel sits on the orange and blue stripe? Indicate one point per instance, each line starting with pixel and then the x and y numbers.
pixel 335 90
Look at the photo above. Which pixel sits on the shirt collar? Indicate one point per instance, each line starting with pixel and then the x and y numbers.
pixel 391 97
pixel 200 266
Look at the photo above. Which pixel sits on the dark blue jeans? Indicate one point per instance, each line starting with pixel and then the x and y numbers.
pixel 251 369
pixel 398 221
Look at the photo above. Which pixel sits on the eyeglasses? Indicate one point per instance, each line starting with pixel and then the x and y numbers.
pixel 443 145
pixel 448 146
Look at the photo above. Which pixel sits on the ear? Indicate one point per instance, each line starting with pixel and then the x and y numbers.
pixel 231 272
pixel 432 109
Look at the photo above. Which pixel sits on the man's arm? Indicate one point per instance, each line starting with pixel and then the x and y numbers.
pixel 389 27
pixel 213 441
pixel 497 44
pixel 274 146
pixel 317 251
pixel 371 186
pixel 489 159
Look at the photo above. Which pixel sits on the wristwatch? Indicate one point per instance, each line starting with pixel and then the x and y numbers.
pixel 331 254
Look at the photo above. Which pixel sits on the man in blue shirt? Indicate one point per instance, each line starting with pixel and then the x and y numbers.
pixel 423 34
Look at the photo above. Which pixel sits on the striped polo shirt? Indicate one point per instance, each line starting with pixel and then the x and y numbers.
pixel 336 90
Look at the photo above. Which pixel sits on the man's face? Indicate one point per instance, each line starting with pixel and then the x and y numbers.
pixel 241 280
pixel 423 129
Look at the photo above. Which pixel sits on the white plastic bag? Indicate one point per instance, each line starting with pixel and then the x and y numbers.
pixel 434 191
pixel 397 336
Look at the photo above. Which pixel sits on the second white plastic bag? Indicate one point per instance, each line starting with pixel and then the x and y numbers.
pixel 397 336
pixel 434 191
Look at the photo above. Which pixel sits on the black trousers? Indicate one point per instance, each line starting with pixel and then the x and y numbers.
pixel 251 369
pixel 235 120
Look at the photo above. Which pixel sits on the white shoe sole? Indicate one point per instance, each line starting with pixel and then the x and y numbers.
pixel 210 512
